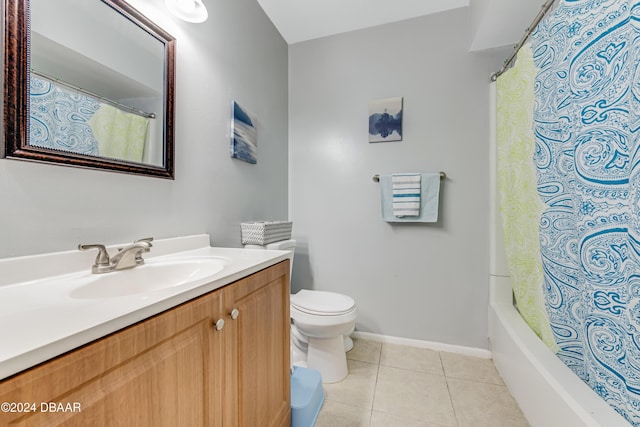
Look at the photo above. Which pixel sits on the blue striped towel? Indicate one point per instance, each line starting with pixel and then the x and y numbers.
pixel 406 194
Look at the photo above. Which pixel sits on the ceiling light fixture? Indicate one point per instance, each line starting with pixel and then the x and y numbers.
pixel 188 10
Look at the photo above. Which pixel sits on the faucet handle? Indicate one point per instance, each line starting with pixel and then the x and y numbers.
pixel 103 256
pixel 145 240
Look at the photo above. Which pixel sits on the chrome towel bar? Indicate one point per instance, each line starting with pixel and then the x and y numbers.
pixel 443 176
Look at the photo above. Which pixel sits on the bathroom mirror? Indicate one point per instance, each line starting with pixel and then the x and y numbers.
pixel 88 83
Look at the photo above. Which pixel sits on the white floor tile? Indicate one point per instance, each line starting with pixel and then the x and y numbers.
pixel 391 385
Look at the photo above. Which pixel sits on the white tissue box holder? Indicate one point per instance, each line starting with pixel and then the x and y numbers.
pixel 265 232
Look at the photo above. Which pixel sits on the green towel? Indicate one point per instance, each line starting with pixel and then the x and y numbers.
pixel 120 135
pixel 520 205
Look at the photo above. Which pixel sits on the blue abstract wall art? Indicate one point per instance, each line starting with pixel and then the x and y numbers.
pixel 244 140
pixel 385 120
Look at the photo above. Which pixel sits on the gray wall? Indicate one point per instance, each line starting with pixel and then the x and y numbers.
pixel 236 54
pixel 419 281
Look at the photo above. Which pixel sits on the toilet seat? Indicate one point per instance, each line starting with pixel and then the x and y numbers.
pixel 322 303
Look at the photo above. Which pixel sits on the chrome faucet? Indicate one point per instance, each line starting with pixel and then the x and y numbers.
pixel 128 257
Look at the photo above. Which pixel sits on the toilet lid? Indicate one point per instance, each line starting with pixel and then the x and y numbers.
pixel 321 302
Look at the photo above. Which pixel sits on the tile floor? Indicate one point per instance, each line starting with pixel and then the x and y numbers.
pixel 391 385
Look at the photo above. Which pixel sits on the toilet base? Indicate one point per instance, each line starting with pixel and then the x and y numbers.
pixel 348 343
pixel 328 357
pixel 298 356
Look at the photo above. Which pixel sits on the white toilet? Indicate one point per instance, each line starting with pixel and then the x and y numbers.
pixel 321 323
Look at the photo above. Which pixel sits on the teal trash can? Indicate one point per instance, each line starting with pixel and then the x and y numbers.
pixel 307 396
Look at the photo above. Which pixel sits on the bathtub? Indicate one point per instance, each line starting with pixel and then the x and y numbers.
pixel 548 392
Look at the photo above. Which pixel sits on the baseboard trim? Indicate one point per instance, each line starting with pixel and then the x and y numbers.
pixel 467 351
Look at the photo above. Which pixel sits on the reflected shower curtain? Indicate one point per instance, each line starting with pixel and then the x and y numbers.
pixel 586 125
pixel 63 119
pixel 59 118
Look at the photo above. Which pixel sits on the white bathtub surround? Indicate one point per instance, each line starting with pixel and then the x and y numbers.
pixel 42 317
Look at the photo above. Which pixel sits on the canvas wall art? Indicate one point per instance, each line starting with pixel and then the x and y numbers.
pixel 385 120
pixel 244 140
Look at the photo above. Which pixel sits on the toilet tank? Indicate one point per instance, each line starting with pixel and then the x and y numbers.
pixel 282 245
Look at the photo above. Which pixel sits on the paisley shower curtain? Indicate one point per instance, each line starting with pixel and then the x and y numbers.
pixel 584 155
pixel 520 206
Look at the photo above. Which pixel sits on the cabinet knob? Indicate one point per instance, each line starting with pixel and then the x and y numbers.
pixel 219 324
pixel 235 313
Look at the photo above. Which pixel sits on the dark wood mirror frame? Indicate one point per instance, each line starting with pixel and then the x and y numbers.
pixel 16 96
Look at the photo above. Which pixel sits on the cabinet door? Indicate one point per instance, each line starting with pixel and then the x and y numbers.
pixel 258 394
pixel 164 371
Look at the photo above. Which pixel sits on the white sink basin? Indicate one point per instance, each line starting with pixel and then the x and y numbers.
pixel 59 305
pixel 152 276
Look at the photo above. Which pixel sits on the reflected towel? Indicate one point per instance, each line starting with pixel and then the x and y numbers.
pixel 406 194
pixel 120 135
pixel 429 199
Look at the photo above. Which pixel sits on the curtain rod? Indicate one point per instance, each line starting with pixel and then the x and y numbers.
pixel 545 8
pixel 93 95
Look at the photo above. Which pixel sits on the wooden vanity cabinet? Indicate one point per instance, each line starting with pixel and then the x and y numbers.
pixel 258 393
pixel 173 369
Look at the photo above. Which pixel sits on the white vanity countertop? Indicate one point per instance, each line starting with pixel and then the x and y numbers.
pixel 39 320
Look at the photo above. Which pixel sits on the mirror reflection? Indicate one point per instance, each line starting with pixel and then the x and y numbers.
pixel 99 87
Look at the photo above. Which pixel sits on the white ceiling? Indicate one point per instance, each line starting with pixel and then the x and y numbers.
pixel 492 23
pixel 300 20
pixel 498 23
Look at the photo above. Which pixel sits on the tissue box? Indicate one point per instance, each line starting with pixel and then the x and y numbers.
pixel 264 232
